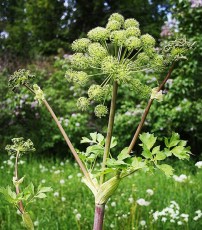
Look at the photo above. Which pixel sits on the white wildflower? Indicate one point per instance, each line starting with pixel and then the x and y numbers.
pixel 182 178
pixel 131 200
pixel 113 204
pixel 78 216
pixel 150 192
pixel 112 226
pixel 142 222
pixel 36 223
pixel 56 194
pixel 164 219
pixel 70 177
pixel 179 222
pixel 63 199
pixel 199 164
pixel 62 181
pixel 57 171
pixel 75 211
pixel 79 174
pixel 143 202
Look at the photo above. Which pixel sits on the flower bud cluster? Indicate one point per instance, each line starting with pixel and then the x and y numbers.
pixel 81 45
pixel 20 77
pixel 176 50
pixel 83 103
pixel 131 22
pixel 79 61
pixel 79 77
pixel 101 111
pixel 117 51
pixel 20 146
pixel 98 34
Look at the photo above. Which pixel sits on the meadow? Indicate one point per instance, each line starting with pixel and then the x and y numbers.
pixel 141 202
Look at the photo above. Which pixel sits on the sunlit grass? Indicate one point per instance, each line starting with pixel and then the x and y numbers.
pixel 71 204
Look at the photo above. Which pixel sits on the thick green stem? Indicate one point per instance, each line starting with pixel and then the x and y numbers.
pixel 99 216
pixel 109 129
pixel 139 128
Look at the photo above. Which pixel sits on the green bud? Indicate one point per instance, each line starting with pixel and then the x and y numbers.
pixel 80 45
pixel 19 78
pixel 147 40
pixel 131 23
pixel 97 53
pixel 78 77
pixel 133 43
pixel 116 17
pixel 118 37
pixel 122 73
pixel 95 92
pixel 39 95
pixel 98 34
pixel 157 94
pixel 158 61
pixel 83 103
pixel 178 53
pixel 79 61
pixel 133 31
pixel 142 59
pixel 20 146
pixel 100 111
pixel 109 65
pixel 150 51
pixel 113 25
pixel 18 182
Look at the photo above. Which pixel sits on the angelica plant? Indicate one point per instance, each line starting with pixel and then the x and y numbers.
pixel 21 199
pixel 108 58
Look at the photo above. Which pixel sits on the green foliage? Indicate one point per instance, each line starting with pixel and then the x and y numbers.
pixel 21 199
pixel 125 164
pixel 187 195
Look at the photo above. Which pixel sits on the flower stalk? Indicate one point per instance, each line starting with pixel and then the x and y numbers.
pixel 109 129
pixel 71 147
pixel 144 116
pixel 20 204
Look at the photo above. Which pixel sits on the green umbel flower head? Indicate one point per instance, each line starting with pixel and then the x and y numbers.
pixel 83 103
pixel 98 34
pixel 131 22
pixel 81 45
pixel 117 17
pixel 101 111
pixel 19 78
pixel 116 53
pixel 113 25
pixel 20 146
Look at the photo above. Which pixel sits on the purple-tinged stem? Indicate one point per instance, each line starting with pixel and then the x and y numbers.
pixel 99 216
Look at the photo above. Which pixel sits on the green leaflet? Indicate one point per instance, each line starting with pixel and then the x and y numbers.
pixel 167 169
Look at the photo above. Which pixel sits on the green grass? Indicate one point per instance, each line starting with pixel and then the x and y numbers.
pixel 55 212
